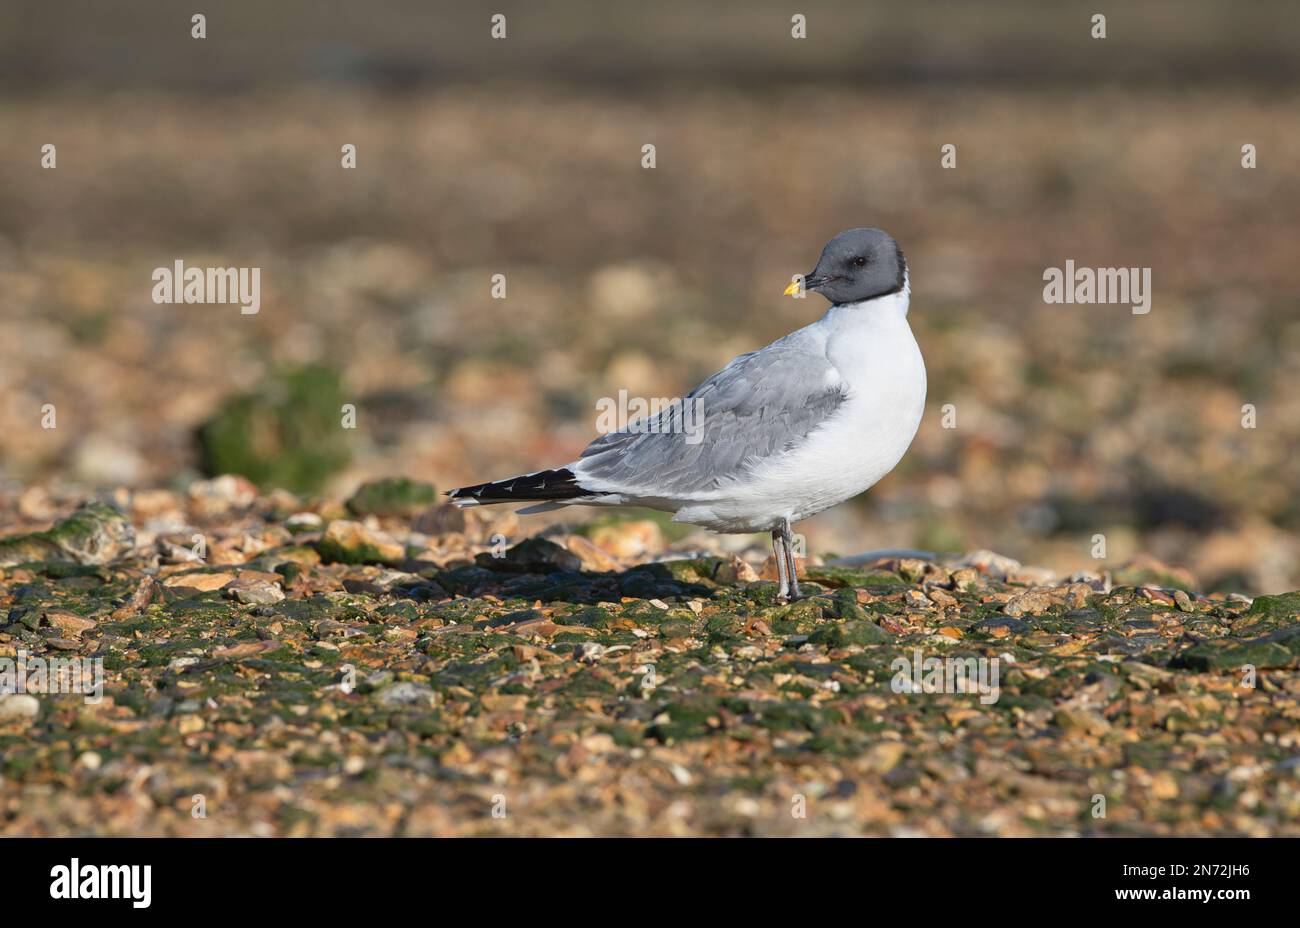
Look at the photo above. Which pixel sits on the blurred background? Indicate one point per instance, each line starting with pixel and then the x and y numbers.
pixel 522 157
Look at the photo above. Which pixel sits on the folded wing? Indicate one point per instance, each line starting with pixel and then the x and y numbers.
pixel 761 405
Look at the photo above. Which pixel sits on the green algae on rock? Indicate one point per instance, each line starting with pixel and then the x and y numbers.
pixel 392 496
pixel 345 542
pixel 95 533
pixel 286 434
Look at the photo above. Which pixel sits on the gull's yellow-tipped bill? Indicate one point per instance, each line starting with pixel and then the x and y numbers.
pixel 795 287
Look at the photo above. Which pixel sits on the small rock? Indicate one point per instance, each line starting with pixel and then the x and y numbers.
pixel 347 542
pixel 1030 602
pixel 222 494
pixel 1001 626
pixel 1031 576
pixel 912 569
pixel 629 539
pixel 735 570
pixel 990 563
pixel 442 519
pixel 106 460
pixel 406 693
pixel 140 598
pixel 917 600
pixel 884 757
pixel 254 592
pixel 593 557
pixel 202 581
pixel 69 623
pixel 19 706
pixel 1156 596
pixel 392 496
pixel 1090 723
pixel 940 598
pixel 966 579
pixel 303 522
pixel 238 652
pixel 532 556
pixel 96 533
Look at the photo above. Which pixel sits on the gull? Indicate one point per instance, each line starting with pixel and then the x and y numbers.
pixel 784 432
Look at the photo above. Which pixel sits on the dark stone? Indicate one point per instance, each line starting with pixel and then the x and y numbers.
pixel 532 556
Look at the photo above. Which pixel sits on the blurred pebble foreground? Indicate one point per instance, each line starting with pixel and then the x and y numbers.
pixel 387 666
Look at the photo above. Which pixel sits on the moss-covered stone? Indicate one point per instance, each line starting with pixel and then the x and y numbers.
pixel 1216 655
pixel 352 543
pixel 844 605
pixel 591 617
pixel 694 570
pixel 1267 613
pixel 392 496
pixel 839 634
pixel 852 577
pixel 96 533
pixel 288 433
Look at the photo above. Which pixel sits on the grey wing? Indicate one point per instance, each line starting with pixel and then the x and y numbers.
pixel 760 405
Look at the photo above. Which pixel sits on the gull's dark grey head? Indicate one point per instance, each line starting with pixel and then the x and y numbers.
pixel 857 265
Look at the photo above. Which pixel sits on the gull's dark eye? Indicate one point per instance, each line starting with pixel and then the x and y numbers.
pixel 859 261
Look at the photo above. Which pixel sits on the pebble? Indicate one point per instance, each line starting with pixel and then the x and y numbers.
pixel 352 543
pixel 629 539
pixel 19 706
pixel 220 495
pixel 69 623
pixel 202 581
pixel 407 693
pixel 254 592
pixel 735 571
pixel 593 558
pixel 1031 602
pixel 1091 723
pixel 303 522
pixel 990 563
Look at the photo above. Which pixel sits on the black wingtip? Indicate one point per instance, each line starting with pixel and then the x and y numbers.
pixel 556 484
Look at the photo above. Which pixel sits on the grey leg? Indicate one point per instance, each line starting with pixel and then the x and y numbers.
pixel 787 542
pixel 782 566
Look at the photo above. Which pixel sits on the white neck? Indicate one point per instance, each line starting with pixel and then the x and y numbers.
pixel 877 308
